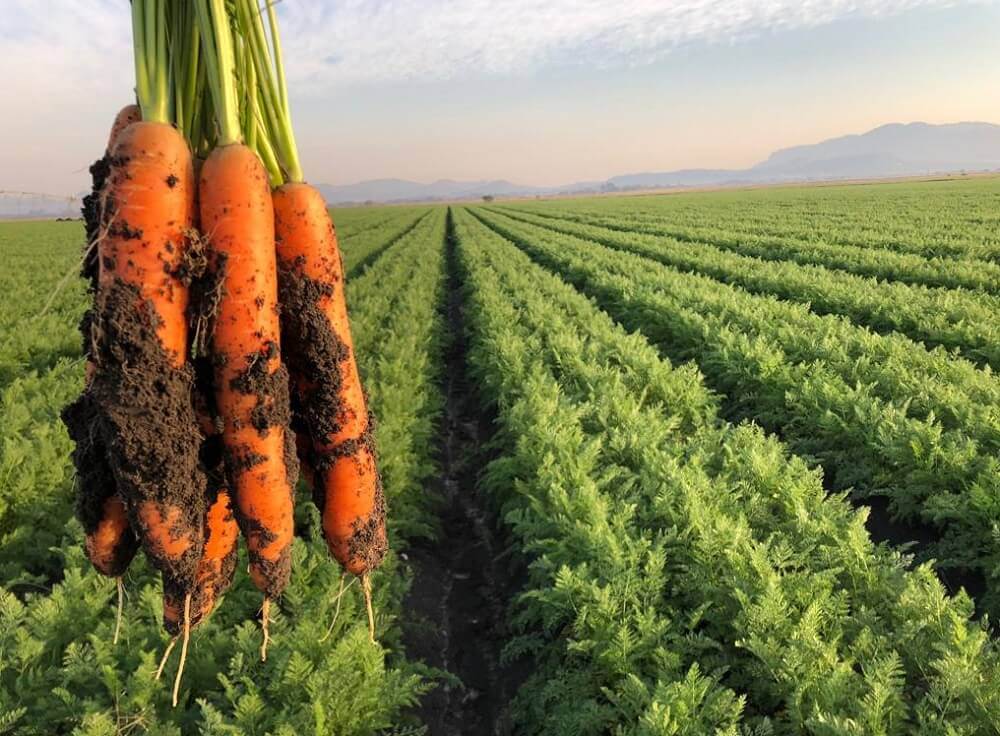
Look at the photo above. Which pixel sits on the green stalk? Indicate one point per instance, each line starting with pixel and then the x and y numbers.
pixel 266 154
pixel 217 38
pixel 211 55
pixel 272 84
pixel 279 63
pixel 201 121
pixel 253 31
pixel 142 91
pixel 291 151
pixel 250 98
pixel 191 79
pixel 152 65
pixel 150 46
pixel 178 54
pixel 164 72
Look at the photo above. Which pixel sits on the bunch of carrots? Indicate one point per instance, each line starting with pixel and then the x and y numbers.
pixel 219 353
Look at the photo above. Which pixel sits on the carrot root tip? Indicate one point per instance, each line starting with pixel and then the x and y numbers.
pixel 366 586
pixel 184 648
pixel 166 656
pixel 121 607
pixel 265 616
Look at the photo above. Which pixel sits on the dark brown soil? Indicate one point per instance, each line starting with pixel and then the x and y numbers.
pixel 93 217
pixel 311 348
pixel 142 411
pixel 456 607
pixel 919 540
pixel 95 481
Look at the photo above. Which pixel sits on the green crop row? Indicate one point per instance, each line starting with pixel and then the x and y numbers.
pixel 362 250
pixel 686 576
pixel 880 413
pixel 60 672
pixel 862 260
pixel 936 220
pixel 353 222
pixel 953 318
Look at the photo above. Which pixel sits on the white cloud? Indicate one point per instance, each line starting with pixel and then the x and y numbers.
pixel 353 41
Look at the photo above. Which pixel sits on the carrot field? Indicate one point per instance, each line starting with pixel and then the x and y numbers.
pixel 697 463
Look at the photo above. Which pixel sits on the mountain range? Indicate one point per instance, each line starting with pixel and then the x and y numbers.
pixel 897 149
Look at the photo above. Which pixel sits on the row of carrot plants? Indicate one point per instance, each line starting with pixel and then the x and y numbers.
pixel 953 318
pixel 948 219
pixel 364 248
pixel 932 382
pixel 685 575
pixel 356 221
pixel 61 672
pixel 881 414
pixel 861 259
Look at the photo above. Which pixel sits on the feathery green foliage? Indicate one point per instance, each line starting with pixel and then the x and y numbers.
pixel 880 412
pixel 60 673
pixel 661 541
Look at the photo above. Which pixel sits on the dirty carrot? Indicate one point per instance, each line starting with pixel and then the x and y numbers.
pixel 327 386
pixel 215 569
pixel 251 383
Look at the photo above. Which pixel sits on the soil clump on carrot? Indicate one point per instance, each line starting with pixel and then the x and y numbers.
pixel 93 218
pixel 95 478
pixel 144 413
pixel 311 348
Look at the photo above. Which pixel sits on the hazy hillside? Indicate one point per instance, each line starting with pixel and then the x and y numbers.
pixel 914 148
pixel 889 150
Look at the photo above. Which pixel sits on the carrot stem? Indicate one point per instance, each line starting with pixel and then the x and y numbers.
pixel 292 164
pixel 266 153
pixel 152 62
pixel 229 122
pixel 164 111
pixel 142 91
pixel 274 95
pixel 211 55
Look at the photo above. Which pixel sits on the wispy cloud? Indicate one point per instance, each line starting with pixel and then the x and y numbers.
pixel 58 46
pixel 414 40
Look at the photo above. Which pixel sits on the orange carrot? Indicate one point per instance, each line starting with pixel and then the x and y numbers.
pixel 125 117
pixel 215 569
pixel 142 383
pixel 251 384
pixel 93 214
pixel 328 394
pixel 111 546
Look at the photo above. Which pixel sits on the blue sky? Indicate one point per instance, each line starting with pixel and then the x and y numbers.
pixel 537 92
